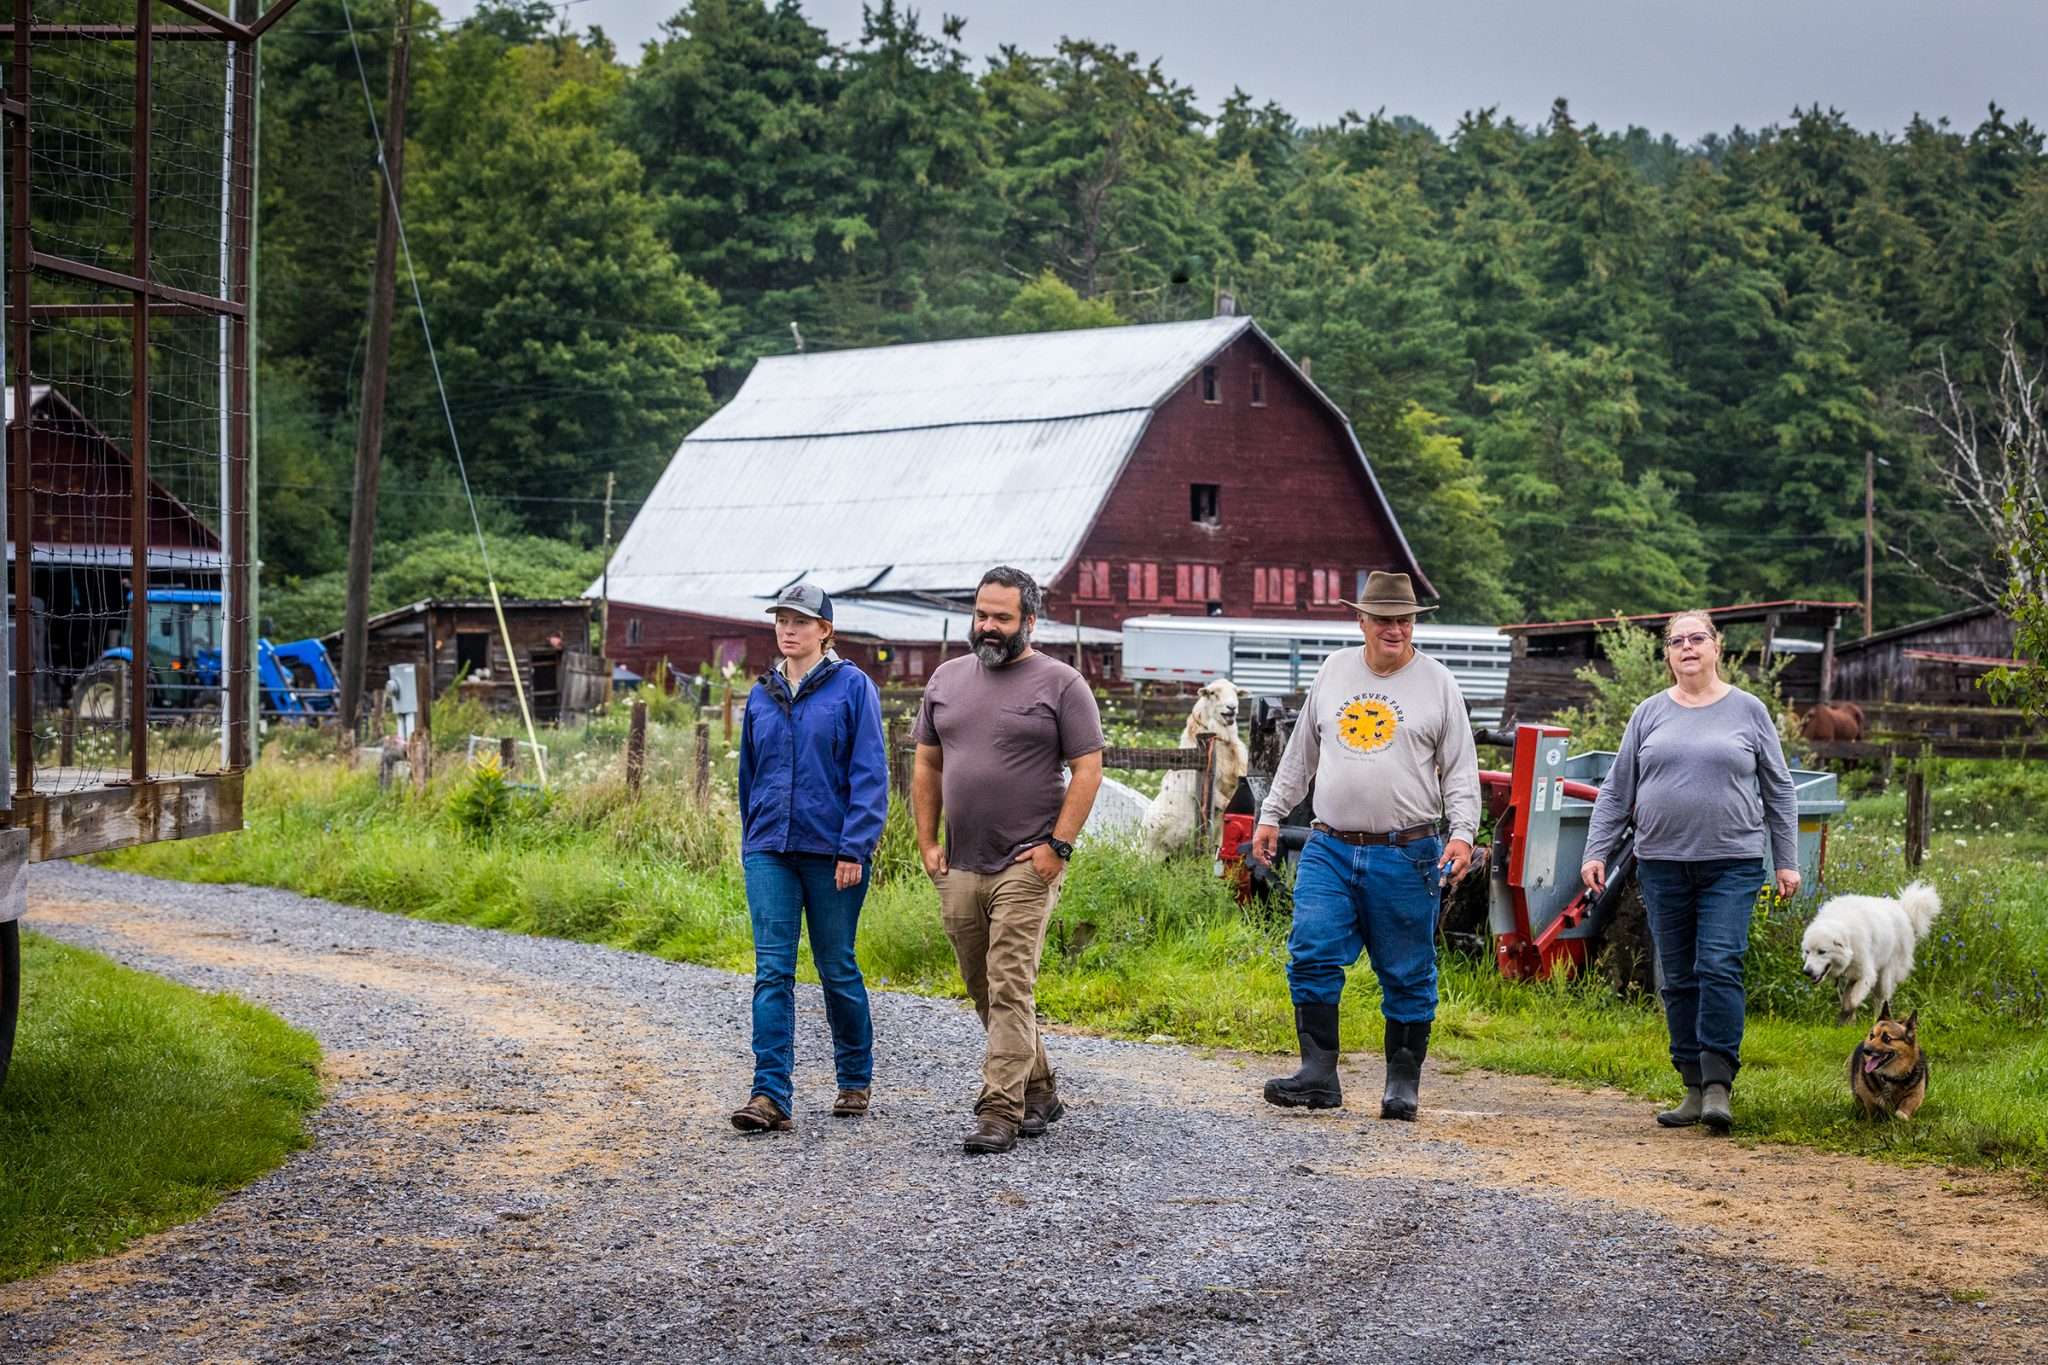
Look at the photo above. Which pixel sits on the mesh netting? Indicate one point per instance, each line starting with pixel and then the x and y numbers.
pixel 95 667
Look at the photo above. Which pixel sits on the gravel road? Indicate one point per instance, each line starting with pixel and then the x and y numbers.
pixel 525 1155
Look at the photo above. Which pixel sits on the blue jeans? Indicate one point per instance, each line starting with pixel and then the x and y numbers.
pixel 1699 922
pixel 1382 900
pixel 783 891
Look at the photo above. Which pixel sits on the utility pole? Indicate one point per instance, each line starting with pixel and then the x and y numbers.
pixel 1869 540
pixel 362 526
pixel 604 615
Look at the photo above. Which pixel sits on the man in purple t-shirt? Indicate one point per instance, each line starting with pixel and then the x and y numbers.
pixel 995 729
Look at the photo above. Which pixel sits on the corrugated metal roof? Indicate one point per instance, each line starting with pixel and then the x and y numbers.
pixel 1039 377
pixel 929 508
pixel 902 622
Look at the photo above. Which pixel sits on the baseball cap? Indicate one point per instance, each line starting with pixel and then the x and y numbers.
pixel 806 598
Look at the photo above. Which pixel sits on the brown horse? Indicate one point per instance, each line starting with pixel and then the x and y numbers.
pixel 1833 722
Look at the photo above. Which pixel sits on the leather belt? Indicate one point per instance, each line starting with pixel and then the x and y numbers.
pixel 1368 839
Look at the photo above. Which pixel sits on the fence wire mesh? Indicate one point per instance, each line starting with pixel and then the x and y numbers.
pixel 111 674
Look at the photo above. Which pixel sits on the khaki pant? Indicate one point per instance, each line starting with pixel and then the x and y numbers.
pixel 997 922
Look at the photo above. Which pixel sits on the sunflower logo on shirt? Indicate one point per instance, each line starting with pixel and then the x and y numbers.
pixel 1368 722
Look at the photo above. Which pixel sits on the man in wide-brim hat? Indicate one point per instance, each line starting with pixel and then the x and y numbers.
pixel 1385 736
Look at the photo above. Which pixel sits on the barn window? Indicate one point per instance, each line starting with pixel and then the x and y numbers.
pixel 729 651
pixel 1258 386
pixel 1181 589
pixel 1142 580
pixel 1210 392
pixel 1092 581
pixel 472 651
pixel 1205 504
pixel 632 630
pixel 917 663
pixel 1273 587
pixel 1326 586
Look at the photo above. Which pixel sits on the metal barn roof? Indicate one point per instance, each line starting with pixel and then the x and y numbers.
pixel 1038 377
pixel 900 468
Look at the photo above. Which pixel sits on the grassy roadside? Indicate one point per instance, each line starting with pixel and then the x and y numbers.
pixel 134 1103
pixel 1140 950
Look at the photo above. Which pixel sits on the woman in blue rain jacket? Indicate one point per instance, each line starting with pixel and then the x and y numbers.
pixel 814 791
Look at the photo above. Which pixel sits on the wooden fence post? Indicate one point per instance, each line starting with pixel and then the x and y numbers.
pixel 1919 816
pixel 508 755
pixel 419 753
pixel 1205 793
pixel 67 749
pixel 703 763
pixel 899 783
pixel 728 713
pixel 636 746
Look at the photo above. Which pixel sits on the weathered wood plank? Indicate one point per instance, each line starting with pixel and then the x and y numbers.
pixel 72 824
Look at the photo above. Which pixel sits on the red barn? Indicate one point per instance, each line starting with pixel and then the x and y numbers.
pixel 1180 467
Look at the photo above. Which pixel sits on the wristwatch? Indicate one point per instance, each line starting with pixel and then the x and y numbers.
pixel 1061 847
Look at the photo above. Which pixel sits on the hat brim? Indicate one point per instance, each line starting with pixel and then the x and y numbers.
pixel 800 611
pixel 1388 608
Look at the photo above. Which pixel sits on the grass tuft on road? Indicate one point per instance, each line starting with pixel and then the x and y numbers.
pixel 134 1103
pixel 1139 950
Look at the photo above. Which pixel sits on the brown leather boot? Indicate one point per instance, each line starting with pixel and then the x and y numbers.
pixel 1040 1113
pixel 761 1115
pixel 851 1104
pixel 989 1135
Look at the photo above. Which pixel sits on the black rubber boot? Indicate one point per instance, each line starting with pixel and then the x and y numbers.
pixel 1315 1086
pixel 1688 1111
pixel 1717 1077
pixel 1407 1045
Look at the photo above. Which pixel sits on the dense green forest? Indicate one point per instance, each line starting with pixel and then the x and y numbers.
pixel 1596 370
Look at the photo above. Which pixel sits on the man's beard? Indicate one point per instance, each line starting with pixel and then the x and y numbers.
pixel 995 649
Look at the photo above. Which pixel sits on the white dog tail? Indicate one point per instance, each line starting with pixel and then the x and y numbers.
pixel 1921 903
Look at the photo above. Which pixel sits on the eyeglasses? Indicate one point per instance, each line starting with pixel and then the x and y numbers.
pixel 1696 639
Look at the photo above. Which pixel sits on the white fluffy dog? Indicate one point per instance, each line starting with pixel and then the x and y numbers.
pixel 1867 942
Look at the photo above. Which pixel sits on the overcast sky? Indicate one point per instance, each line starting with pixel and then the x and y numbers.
pixel 1685 67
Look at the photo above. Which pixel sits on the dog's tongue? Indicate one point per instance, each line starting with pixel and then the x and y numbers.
pixel 1872 1061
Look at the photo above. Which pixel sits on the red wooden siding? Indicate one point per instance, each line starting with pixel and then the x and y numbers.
pixel 1299 518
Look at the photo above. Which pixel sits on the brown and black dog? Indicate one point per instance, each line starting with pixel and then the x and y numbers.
pixel 1888 1071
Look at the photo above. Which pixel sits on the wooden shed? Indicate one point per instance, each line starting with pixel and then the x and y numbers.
pixel 460 637
pixel 1936 662
pixel 1548 655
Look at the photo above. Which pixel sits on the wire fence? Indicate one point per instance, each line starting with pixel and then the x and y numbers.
pixel 127 395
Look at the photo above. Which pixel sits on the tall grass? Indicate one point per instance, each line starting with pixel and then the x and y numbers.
pixel 134 1103
pixel 1142 950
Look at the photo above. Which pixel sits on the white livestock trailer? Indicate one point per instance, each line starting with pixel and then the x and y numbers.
pixel 1280 656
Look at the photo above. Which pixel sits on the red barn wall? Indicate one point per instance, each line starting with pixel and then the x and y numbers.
pixel 1292 498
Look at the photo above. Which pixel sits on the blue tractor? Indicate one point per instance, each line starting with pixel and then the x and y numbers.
pixel 183 667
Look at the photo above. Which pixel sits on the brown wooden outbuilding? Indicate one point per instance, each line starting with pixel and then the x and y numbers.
pixel 1935 662
pixel 1548 655
pixel 460 637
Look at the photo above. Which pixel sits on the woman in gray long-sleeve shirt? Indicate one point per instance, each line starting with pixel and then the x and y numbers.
pixel 1702 774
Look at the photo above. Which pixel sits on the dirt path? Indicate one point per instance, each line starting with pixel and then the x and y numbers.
pixel 524 1155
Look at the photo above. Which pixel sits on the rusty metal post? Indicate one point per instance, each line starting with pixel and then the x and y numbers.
pixel 241 194
pixel 1205 793
pixel 138 418
pixel 21 491
pixel 636 746
pixel 508 755
pixel 703 763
